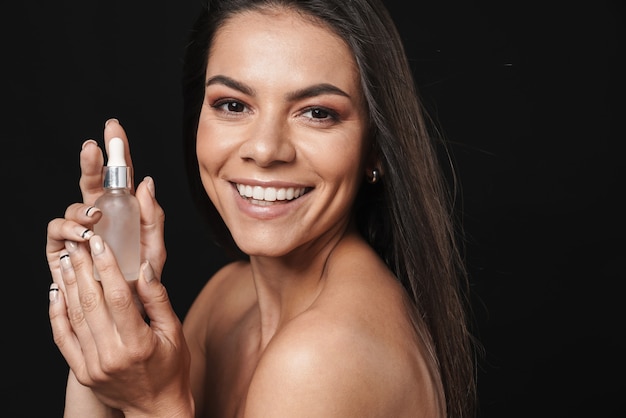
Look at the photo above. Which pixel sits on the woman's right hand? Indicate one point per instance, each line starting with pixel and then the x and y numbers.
pixel 81 216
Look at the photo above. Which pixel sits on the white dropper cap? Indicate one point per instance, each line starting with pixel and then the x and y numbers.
pixel 116 174
pixel 116 153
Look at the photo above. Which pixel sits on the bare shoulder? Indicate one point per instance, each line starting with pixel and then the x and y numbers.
pixel 353 353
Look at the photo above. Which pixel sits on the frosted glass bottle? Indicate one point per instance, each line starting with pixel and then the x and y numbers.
pixel 119 226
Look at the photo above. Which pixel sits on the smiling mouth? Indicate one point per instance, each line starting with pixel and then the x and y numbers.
pixel 258 195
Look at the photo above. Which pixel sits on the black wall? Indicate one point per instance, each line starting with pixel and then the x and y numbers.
pixel 527 93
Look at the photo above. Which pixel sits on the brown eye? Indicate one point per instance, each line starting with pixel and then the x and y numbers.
pixel 232 106
pixel 319 113
pixel 235 107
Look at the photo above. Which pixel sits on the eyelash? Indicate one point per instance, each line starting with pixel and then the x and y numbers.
pixel 219 105
pixel 329 114
pixel 223 106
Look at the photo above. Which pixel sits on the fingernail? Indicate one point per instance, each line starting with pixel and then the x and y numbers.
pixel 96 244
pixel 66 263
pixel 89 143
pixel 150 184
pixel 91 210
pixel 110 120
pixel 147 271
pixel 84 233
pixel 70 246
pixel 53 293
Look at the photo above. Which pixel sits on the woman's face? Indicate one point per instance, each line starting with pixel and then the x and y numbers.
pixel 282 132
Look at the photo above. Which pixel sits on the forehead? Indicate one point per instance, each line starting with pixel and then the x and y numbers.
pixel 282 43
pixel 279 21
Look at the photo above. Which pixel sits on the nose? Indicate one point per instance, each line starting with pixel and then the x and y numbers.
pixel 268 142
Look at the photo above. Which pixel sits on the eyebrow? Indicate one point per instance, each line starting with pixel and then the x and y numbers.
pixel 311 91
pixel 229 82
pixel 316 90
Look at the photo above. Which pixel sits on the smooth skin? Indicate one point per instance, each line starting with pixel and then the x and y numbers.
pixel 315 325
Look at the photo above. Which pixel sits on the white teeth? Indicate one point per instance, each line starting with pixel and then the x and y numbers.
pixel 269 194
pixel 258 193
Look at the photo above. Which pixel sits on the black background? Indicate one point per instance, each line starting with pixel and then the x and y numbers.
pixel 528 93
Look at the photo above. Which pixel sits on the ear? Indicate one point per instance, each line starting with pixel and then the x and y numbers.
pixel 372 159
pixel 374 166
pixel 373 163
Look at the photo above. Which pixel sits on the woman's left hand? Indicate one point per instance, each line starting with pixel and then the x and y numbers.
pixel 139 368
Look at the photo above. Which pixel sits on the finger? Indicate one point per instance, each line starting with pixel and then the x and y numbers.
pixel 78 346
pixel 87 308
pixel 113 129
pixel 62 330
pixel 59 231
pixel 152 226
pixel 55 243
pixel 83 214
pixel 153 295
pixel 91 162
pixel 125 315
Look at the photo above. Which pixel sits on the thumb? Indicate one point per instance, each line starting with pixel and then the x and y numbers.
pixel 156 302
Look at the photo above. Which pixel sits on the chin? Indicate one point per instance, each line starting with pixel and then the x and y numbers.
pixel 261 248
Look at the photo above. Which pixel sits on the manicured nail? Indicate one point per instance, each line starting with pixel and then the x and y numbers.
pixel 53 293
pixel 91 210
pixel 96 244
pixel 66 263
pixel 150 184
pixel 84 233
pixel 70 246
pixel 147 271
pixel 89 143
pixel 111 120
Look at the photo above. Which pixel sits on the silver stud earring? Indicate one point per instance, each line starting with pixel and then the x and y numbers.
pixel 375 176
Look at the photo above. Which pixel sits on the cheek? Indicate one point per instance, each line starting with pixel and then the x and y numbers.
pixel 208 155
pixel 212 146
pixel 203 151
pixel 216 139
pixel 343 160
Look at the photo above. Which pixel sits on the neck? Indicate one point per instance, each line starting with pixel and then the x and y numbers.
pixel 289 285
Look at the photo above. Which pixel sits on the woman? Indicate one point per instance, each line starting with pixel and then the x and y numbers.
pixel 308 153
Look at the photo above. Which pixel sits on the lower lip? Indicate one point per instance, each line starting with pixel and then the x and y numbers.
pixel 265 212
